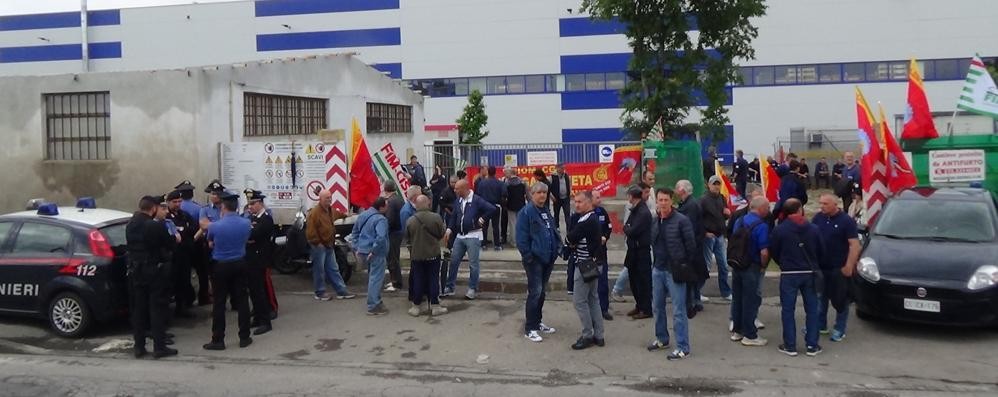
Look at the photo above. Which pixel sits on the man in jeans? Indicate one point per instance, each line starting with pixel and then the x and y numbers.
pixel 470 212
pixel 714 212
pixel 795 246
pixel 672 243
pixel 320 233
pixel 424 230
pixel 396 233
pixel 539 245
pixel 561 192
pixel 746 294
pixel 841 240
pixel 370 237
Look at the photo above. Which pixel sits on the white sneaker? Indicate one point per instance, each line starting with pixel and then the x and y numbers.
pixel 617 297
pixel 754 342
pixel 547 330
pixel 471 295
pixel 759 324
pixel 736 337
pixel 704 299
pixel 533 336
pixel 414 311
pixel 731 326
pixel 390 288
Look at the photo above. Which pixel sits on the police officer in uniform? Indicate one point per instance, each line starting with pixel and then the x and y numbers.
pixel 148 246
pixel 206 216
pixel 186 226
pixel 228 237
pixel 259 253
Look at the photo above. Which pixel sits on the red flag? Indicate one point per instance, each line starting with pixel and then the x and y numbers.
pixel 625 161
pixel 899 173
pixel 364 186
pixel 873 171
pixel 918 122
pixel 770 180
pixel 731 195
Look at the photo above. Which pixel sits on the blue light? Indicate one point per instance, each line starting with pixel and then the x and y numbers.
pixel 48 209
pixel 86 202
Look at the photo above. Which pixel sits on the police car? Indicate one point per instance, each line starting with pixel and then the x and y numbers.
pixel 64 264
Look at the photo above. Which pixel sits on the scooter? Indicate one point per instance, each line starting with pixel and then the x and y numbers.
pixel 294 253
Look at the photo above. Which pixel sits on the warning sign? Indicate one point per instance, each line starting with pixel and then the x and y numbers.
pixel 312 189
pixel 281 170
pixel 956 165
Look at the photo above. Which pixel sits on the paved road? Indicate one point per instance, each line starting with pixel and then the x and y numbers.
pixel 332 348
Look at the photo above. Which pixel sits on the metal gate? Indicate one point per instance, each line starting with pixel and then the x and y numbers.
pixel 451 158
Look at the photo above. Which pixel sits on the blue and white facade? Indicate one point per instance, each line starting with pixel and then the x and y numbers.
pixel 549 73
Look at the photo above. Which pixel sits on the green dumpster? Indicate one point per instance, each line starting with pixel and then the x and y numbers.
pixel 955 161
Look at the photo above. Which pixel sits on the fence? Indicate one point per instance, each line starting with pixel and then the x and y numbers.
pixel 453 157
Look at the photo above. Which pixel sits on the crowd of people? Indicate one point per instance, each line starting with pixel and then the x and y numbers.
pixel 672 237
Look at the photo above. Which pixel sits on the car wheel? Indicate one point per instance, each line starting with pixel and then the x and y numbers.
pixel 69 315
pixel 346 269
pixel 283 262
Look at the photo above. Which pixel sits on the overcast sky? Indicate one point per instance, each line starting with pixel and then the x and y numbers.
pixel 12 7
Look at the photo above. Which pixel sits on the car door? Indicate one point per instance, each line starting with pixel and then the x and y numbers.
pixel 37 252
pixel 6 272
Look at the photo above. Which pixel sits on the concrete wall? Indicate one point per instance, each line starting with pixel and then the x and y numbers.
pixel 166 125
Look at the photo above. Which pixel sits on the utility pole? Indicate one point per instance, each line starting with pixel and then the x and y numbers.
pixel 85 42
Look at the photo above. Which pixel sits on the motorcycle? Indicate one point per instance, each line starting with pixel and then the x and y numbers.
pixel 294 253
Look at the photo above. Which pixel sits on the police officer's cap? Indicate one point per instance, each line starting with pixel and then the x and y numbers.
pixel 255 195
pixel 174 195
pixel 185 186
pixel 215 187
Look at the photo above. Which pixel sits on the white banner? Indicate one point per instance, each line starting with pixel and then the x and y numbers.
pixel 542 158
pixel 281 170
pixel 957 165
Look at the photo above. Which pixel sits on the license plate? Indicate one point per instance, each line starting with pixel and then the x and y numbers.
pixel 921 305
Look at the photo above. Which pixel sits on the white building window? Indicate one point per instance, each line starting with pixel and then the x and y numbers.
pixel 271 115
pixel 78 126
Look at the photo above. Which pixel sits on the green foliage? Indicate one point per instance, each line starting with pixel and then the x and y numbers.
pixel 471 124
pixel 670 64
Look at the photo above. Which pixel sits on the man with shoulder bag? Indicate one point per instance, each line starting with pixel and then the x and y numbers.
pixel 586 239
pixel 795 245
pixel 674 247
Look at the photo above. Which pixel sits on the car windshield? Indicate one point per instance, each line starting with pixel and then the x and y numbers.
pixel 937 220
pixel 115 233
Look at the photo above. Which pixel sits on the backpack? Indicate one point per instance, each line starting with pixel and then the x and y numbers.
pixel 739 257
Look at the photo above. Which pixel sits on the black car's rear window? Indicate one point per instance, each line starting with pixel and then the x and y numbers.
pixel 928 219
pixel 115 233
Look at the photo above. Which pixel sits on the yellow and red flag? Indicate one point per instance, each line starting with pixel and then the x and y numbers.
pixel 918 122
pixel 873 170
pixel 770 180
pixel 899 173
pixel 364 185
pixel 731 196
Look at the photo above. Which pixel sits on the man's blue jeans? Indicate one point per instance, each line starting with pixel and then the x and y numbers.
pixel 325 268
pixel 745 300
pixel 662 286
pixel 471 246
pixel 835 283
pixel 716 247
pixel 622 282
pixel 790 286
pixel 375 277
pixel 538 275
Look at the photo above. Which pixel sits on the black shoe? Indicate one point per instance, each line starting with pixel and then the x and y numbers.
pixel 169 335
pixel 607 316
pixel 140 352
pixel 169 341
pixel 583 343
pixel 214 345
pixel 263 329
pixel 183 314
pixel 273 316
pixel 166 352
pixel 255 323
pixel 243 342
pixel 599 342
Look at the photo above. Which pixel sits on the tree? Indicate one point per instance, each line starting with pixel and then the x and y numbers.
pixel 471 125
pixel 670 68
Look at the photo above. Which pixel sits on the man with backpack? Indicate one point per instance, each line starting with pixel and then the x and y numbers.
pixel 748 256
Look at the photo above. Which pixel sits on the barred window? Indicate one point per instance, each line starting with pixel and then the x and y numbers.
pixel 269 115
pixel 78 126
pixel 384 117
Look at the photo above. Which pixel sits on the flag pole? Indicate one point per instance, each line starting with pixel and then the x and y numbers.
pixel 949 127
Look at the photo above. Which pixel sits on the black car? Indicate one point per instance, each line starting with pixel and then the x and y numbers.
pixel 932 257
pixel 64 264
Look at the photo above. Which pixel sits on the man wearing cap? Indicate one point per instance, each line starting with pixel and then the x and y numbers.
pixel 186 226
pixel 714 214
pixel 206 216
pixel 228 237
pixel 191 207
pixel 259 252
pixel 148 243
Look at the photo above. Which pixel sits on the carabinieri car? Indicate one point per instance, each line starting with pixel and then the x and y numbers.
pixel 64 264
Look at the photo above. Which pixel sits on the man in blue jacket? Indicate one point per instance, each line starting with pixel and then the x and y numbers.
pixel 493 191
pixel 470 212
pixel 370 239
pixel 795 246
pixel 791 187
pixel 539 244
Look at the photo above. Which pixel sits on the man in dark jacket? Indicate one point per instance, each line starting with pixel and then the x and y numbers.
pixel 470 212
pixel 822 174
pixel 673 244
pixel 148 245
pixel 396 232
pixel 561 193
pixel 690 207
pixel 638 257
pixel 714 213
pixel 493 191
pixel 425 229
pixel 708 162
pixel 417 175
pixel 740 170
pixel 447 199
pixel 259 254
pixel 586 237
pixel 183 256
pixel 791 186
pixel 795 246
pixel 516 199
pixel 539 245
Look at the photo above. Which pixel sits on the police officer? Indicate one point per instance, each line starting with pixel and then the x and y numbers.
pixel 148 245
pixel 183 256
pixel 227 238
pixel 259 252
pixel 206 215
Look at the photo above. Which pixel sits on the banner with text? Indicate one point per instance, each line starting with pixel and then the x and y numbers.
pixel 585 176
pixel 389 167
